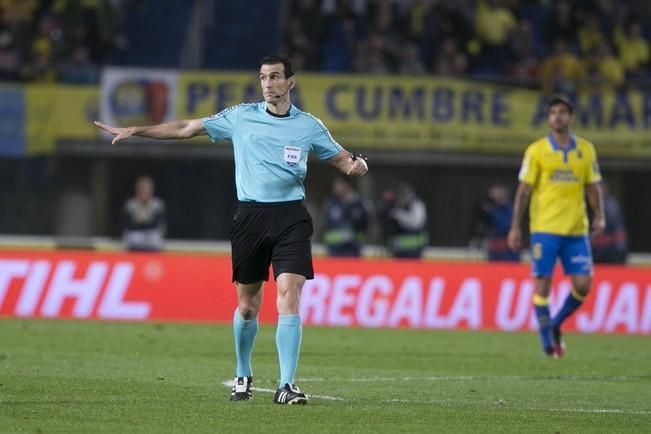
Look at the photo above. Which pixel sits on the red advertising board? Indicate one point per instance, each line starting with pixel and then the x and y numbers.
pixel 345 292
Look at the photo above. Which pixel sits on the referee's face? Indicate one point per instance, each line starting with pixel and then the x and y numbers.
pixel 275 87
pixel 559 118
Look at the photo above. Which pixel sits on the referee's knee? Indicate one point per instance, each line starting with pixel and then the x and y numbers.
pixel 288 300
pixel 249 307
pixel 248 311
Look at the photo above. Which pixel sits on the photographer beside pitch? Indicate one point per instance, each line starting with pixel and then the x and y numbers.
pixel 557 171
pixel 271 142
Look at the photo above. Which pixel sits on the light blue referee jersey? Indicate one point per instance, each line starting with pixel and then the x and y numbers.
pixel 271 151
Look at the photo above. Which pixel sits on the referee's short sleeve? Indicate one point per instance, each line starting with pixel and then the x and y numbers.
pixel 323 144
pixel 221 125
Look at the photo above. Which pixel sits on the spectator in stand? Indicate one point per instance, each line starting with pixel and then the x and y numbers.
pixel 416 20
pixel 460 17
pixel 40 68
pixel 372 58
pixel 411 63
pixel 633 49
pixel 404 222
pixel 79 70
pixel 607 11
pixel 346 220
pixel 611 246
pixel 590 35
pixel 308 14
pixel 524 65
pixel 494 25
pixel 494 222
pixel 384 36
pixel 561 23
pixel 18 16
pixel 561 71
pixel 339 39
pixel 521 37
pixel 45 47
pixel 302 35
pixel 450 62
pixel 446 20
pixel 299 46
pixel 144 218
pixel 604 72
pixel 10 55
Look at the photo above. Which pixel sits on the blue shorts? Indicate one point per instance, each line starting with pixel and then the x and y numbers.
pixel 574 252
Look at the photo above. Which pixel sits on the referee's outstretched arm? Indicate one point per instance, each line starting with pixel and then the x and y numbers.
pixel 179 129
pixel 349 164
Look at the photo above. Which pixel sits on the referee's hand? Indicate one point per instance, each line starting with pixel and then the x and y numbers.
pixel 358 166
pixel 119 133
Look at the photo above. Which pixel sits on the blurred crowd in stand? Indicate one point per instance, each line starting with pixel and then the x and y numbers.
pixel 563 45
pixel 57 40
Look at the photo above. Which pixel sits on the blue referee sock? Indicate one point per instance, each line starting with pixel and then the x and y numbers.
pixel 288 343
pixel 541 307
pixel 573 301
pixel 244 332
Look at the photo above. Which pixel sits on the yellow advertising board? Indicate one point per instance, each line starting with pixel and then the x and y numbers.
pixel 408 113
pixel 394 113
pixel 59 112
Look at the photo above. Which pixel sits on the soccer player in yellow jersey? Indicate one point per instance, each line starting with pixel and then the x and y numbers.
pixel 557 171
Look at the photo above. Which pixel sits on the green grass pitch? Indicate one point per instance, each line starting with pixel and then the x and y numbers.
pixel 86 377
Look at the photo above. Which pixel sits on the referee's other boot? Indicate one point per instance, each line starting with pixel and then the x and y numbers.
pixel 242 389
pixel 290 394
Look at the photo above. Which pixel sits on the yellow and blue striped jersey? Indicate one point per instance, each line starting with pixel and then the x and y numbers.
pixel 558 177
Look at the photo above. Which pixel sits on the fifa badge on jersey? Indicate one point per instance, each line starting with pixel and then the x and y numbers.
pixel 292 155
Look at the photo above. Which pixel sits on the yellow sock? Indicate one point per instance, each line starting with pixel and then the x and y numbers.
pixel 576 295
pixel 539 300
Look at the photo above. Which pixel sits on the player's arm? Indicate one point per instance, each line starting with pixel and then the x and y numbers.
pixel 528 176
pixel 179 129
pixel 595 194
pixel 596 201
pixel 520 202
pixel 349 163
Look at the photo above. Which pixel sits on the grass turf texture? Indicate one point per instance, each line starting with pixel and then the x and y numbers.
pixel 65 376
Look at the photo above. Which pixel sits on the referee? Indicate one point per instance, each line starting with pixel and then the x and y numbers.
pixel 271 142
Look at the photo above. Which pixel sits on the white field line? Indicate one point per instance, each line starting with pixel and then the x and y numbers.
pixel 452 402
pixel 229 383
pixel 449 402
pixel 501 378
pixel 595 410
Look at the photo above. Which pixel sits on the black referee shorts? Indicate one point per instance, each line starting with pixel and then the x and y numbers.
pixel 271 233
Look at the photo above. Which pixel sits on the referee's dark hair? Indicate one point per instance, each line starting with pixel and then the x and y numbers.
pixel 273 59
pixel 560 99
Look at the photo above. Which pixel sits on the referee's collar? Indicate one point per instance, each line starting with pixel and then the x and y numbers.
pixel 285 115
